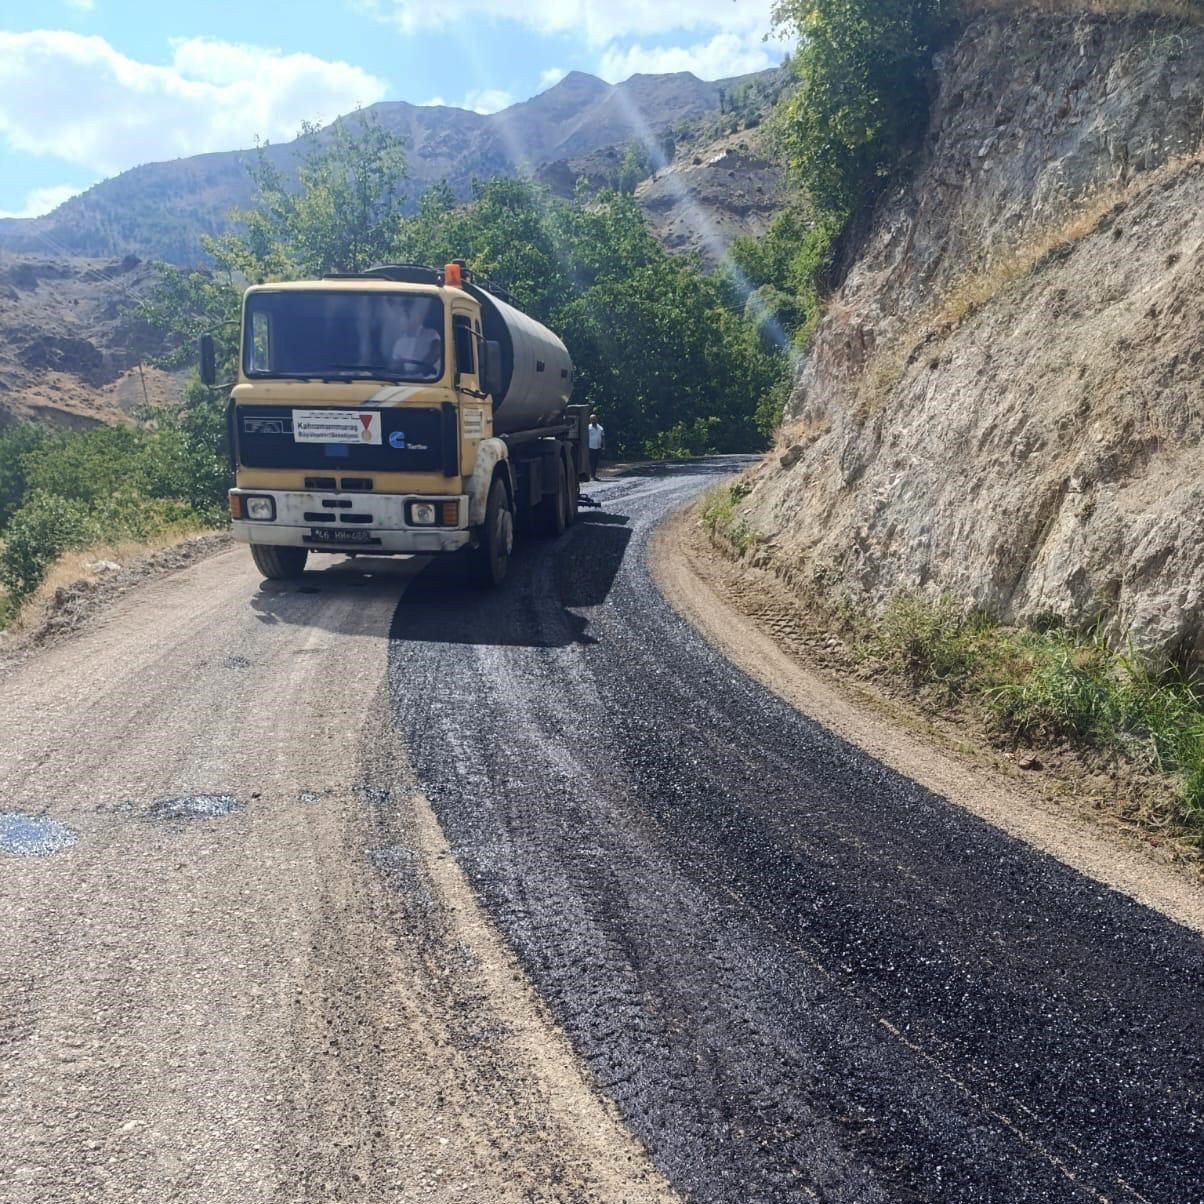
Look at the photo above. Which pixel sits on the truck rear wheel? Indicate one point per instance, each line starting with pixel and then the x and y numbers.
pixel 497 537
pixel 553 509
pixel 279 563
pixel 570 494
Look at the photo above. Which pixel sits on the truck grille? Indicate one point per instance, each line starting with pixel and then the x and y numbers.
pixel 412 440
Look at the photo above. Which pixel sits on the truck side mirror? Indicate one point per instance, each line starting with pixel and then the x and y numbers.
pixel 491 367
pixel 208 361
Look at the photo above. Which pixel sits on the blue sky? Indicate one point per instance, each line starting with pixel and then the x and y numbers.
pixel 89 88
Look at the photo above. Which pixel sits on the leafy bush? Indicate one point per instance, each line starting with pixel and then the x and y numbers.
pixel 48 525
pixel 17 446
pixel 43 529
pixel 860 104
pixel 683 441
pixel 720 519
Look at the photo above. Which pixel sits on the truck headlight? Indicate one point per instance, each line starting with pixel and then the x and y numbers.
pixel 261 509
pixel 422 514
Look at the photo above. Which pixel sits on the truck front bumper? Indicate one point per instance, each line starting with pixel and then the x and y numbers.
pixel 349 522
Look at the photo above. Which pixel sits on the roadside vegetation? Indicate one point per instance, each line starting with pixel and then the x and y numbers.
pixel 664 351
pixel 858 106
pixel 1039 687
pixel 61 491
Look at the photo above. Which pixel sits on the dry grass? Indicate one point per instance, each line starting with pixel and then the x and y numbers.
pixel 886 364
pixel 1182 10
pixel 78 566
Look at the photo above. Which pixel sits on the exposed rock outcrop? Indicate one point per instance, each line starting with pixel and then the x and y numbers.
pixel 1005 402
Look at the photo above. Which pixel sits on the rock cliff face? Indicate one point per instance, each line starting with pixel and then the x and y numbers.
pixel 1005 402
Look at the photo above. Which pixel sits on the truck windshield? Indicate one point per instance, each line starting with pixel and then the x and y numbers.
pixel 343 335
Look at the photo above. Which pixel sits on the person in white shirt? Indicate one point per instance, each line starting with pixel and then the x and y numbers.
pixel 417 346
pixel 597 445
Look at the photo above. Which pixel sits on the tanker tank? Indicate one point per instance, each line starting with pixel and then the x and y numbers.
pixel 537 373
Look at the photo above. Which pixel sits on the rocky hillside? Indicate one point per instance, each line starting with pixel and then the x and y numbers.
pixel 69 354
pixel 712 194
pixel 1005 401
pixel 161 210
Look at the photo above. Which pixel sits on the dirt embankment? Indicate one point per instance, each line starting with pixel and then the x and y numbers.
pixel 1003 402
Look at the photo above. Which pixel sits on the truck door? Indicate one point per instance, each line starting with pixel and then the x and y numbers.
pixel 475 416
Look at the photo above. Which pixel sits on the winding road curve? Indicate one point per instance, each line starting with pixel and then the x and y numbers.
pixel 259 973
pixel 800 975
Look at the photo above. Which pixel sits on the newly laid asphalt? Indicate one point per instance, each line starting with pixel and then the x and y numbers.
pixel 799 975
pixel 374 887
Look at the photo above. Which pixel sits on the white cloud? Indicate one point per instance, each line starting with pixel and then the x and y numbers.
pixel 487 100
pixel 79 99
pixel 599 21
pixel 723 55
pixel 433 102
pixel 551 76
pixel 43 200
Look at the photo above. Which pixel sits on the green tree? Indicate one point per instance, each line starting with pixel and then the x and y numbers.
pixel 663 352
pixel 862 94
pixel 634 167
pixel 17 446
pixel 342 215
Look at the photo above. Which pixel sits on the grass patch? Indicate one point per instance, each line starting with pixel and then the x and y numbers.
pixel 1046 686
pixel 720 517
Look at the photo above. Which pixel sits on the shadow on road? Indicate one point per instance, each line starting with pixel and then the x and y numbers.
pixel 377 581
pixel 438 600
pixel 534 608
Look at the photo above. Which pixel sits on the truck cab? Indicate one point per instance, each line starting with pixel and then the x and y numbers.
pixel 401 410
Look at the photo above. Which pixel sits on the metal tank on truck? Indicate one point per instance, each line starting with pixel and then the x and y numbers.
pixel 399 410
pixel 536 374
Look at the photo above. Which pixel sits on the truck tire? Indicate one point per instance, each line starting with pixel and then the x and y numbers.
pixel 553 509
pixel 570 495
pixel 279 563
pixel 497 537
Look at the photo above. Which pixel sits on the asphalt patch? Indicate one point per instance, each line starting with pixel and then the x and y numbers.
pixel 33 835
pixel 195 806
pixel 799 975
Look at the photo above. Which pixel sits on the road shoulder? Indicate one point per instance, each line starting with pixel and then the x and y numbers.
pixel 704 590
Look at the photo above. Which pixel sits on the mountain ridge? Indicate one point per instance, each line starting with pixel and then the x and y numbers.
pixel 161 210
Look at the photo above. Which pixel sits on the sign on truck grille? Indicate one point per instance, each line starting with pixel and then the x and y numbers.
pixel 336 426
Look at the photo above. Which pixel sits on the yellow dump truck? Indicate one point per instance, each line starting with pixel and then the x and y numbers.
pixel 404 409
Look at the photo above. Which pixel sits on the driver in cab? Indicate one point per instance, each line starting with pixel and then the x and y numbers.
pixel 417 346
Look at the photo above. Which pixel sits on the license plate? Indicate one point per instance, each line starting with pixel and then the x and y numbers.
pixel 340 535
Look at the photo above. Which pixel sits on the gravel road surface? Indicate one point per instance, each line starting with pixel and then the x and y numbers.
pixel 373 888
pixel 244 967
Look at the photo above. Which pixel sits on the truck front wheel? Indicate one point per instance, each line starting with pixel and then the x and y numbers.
pixel 497 537
pixel 279 563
